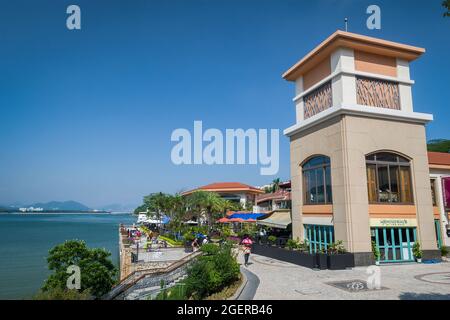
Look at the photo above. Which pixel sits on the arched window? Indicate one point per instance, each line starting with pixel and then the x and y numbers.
pixel 388 178
pixel 317 181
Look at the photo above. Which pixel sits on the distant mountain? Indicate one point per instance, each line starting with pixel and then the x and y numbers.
pixel 439 145
pixel 60 205
pixel 117 207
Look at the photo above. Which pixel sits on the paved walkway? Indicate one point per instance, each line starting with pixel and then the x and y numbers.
pixel 285 281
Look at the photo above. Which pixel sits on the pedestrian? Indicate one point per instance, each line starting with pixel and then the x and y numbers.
pixel 247 248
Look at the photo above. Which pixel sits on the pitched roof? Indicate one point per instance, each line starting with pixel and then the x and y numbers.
pixel 226 187
pixel 439 158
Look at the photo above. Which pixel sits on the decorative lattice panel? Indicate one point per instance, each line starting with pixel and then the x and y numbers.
pixel 377 93
pixel 318 100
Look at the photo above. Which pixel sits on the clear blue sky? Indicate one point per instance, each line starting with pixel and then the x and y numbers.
pixel 87 115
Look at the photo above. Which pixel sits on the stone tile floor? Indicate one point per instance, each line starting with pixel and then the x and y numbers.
pixel 284 281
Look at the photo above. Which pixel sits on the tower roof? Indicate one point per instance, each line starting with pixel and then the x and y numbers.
pixel 353 41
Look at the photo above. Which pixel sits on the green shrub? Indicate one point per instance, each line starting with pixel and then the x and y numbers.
pixel 336 248
pixel 375 251
pixel 58 293
pixel 444 251
pixel 188 236
pixel 272 239
pixel 417 252
pixel 210 249
pixel 212 272
pixel 292 244
pixel 171 241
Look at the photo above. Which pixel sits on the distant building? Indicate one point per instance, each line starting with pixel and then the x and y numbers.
pixel 237 192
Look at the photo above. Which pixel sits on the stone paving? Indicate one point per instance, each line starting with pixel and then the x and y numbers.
pixel 284 281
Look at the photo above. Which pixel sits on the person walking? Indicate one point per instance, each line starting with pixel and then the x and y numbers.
pixel 247 248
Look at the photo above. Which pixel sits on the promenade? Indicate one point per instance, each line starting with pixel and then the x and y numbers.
pixel 279 280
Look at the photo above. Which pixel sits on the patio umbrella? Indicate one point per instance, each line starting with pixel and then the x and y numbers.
pixel 237 220
pixel 223 220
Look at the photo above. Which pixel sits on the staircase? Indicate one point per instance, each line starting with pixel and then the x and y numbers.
pixel 140 285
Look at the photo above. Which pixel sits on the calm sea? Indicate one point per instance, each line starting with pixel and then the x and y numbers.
pixel 25 240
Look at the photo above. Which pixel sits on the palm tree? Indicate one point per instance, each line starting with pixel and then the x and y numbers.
pixel 207 203
pixel 276 185
pixel 157 203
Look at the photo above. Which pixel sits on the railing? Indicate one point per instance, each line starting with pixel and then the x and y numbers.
pixel 377 93
pixel 138 275
pixel 318 100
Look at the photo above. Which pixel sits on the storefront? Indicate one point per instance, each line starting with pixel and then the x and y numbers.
pixel 319 237
pixel 394 238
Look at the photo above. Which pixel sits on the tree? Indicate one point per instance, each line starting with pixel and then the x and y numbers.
pixel 141 208
pixel 446 5
pixel 276 185
pixel 97 272
pixel 208 203
pixel 157 203
pixel 439 145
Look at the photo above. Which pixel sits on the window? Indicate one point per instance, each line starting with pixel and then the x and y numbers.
pixel 388 178
pixel 433 192
pixel 317 181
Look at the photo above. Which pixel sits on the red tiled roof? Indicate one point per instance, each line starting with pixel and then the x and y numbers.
pixel 278 195
pixel 439 158
pixel 227 186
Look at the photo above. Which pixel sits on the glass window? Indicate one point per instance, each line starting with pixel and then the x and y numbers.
pixel 433 192
pixel 317 181
pixel 388 178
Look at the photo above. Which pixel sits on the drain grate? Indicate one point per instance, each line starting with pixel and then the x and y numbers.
pixel 353 286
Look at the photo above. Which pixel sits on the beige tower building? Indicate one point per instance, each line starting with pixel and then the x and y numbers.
pixel 359 165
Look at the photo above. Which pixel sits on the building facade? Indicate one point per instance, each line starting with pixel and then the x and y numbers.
pixel 359 165
pixel 236 192
pixel 440 186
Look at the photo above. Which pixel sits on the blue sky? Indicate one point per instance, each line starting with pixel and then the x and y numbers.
pixel 87 115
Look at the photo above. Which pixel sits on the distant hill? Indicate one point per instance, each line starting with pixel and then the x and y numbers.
pixel 116 207
pixel 439 145
pixel 60 205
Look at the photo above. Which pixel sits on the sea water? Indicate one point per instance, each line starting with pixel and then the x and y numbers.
pixel 25 240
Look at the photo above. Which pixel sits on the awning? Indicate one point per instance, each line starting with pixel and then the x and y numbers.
pixel 278 219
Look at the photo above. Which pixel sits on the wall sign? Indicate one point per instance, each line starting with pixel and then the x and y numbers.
pixel 392 222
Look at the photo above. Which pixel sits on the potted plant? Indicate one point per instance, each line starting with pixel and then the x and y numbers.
pixel 292 244
pixel 417 252
pixel 272 240
pixel 338 258
pixel 188 238
pixel 321 259
pixel 376 253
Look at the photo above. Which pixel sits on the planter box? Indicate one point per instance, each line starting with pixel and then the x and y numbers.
pixel 340 261
pixel 321 261
pixel 291 256
pixel 188 246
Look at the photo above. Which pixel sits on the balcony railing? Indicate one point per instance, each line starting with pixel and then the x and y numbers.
pixel 377 93
pixel 318 100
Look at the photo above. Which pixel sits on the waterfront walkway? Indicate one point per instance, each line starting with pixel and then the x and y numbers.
pixel 279 280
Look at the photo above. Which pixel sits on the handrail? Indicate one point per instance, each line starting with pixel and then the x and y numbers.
pixel 125 284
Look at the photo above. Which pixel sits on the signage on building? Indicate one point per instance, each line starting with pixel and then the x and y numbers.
pixel 446 192
pixel 392 222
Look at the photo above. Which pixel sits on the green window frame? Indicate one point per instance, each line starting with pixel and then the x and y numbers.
pixel 395 244
pixel 319 237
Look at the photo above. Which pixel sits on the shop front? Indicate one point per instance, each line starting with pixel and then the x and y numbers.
pixel 394 238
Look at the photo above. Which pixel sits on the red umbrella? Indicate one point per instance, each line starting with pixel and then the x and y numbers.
pixel 223 220
pixel 236 220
